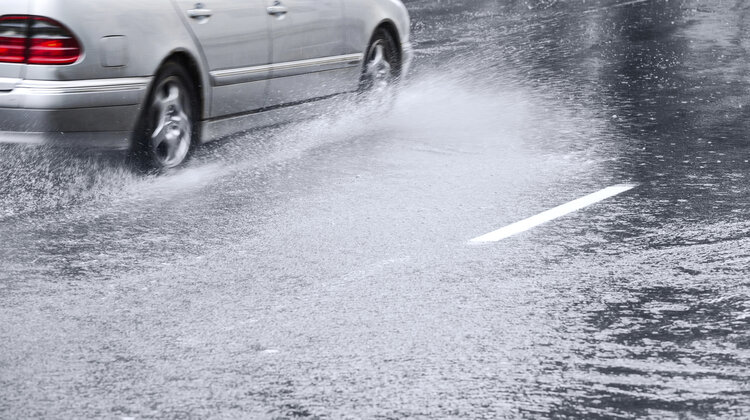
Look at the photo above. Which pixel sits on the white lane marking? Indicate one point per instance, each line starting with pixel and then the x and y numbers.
pixel 627 3
pixel 553 214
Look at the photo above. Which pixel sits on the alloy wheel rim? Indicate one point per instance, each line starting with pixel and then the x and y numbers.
pixel 379 70
pixel 172 133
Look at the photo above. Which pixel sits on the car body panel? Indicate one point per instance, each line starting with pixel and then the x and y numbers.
pixel 361 17
pixel 234 36
pixel 252 68
pixel 307 49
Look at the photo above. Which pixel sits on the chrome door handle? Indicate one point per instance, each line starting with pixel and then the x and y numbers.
pixel 277 9
pixel 200 12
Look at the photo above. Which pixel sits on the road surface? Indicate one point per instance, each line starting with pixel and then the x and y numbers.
pixel 326 269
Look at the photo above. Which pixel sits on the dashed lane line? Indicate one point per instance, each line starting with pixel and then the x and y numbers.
pixel 627 3
pixel 552 214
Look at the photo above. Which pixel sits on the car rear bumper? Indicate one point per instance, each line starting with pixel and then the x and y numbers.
pixel 99 113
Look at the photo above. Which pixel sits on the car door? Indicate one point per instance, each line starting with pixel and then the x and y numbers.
pixel 308 51
pixel 234 37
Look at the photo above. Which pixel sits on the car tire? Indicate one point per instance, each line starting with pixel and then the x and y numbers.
pixel 168 128
pixel 382 69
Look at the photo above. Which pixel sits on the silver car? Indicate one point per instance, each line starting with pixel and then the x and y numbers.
pixel 158 77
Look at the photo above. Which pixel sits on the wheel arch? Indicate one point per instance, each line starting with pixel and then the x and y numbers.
pixel 192 66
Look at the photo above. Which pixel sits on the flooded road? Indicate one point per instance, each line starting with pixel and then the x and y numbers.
pixel 323 269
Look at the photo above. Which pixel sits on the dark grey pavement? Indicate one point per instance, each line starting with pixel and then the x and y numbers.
pixel 323 269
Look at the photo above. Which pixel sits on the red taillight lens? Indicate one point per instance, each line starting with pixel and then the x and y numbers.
pixel 53 51
pixel 51 43
pixel 12 50
pixel 13 30
pixel 36 40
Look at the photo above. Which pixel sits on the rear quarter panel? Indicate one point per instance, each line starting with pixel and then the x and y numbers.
pixel 153 29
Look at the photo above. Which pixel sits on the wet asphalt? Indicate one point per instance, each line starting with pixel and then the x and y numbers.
pixel 323 269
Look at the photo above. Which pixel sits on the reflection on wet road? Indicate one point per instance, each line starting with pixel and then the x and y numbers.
pixel 322 269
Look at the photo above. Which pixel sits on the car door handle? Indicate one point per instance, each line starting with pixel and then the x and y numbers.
pixel 200 13
pixel 277 10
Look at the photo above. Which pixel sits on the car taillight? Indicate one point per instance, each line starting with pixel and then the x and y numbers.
pixel 51 43
pixel 36 40
pixel 13 32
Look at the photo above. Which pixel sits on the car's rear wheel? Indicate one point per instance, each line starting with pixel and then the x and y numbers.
pixel 168 128
pixel 382 68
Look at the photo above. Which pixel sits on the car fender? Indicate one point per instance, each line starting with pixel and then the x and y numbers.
pixel 364 16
